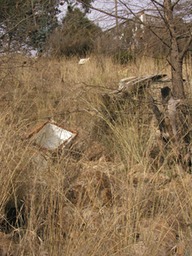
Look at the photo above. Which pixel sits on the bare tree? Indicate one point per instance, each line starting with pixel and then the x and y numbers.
pixel 178 50
pixel 176 23
pixel 176 18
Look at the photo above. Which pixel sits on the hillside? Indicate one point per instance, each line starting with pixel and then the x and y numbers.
pixel 105 193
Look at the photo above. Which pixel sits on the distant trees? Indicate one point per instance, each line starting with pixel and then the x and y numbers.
pixel 26 22
pixel 76 36
pixel 120 43
pixel 84 4
pixel 33 23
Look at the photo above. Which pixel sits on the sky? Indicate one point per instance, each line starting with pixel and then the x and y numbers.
pixel 101 19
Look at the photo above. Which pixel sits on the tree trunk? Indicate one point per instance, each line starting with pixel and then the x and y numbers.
pixel 176 56
pixel 176 71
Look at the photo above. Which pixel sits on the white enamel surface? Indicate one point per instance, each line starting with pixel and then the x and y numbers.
pixel 52 136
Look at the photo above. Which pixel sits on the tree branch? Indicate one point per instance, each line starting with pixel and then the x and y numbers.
pixel 105 12
pixel 144 24
pixel 163 18
pixel 126 19
pixel 174 4
pixel 14 27
pixel 154 1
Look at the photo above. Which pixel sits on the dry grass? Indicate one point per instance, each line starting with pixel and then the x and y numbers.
pixel 104 198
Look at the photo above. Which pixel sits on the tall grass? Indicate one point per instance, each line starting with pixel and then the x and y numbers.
pixel 117 204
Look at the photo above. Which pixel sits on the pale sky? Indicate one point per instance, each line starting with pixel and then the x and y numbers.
pixel 106 21
pixel 101 19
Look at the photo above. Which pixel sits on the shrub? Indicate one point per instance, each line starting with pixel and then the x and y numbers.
pixel 75 37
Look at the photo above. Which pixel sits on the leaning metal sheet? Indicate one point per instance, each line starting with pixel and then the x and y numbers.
pixel 52 136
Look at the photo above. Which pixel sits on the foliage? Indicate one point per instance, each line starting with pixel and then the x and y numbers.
pixel 27 22
pixel 76 36
pixel 85 4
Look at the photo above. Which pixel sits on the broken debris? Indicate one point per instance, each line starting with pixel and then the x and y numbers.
pixel 51 136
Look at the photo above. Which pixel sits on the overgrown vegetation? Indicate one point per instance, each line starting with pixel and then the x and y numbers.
pixel 123 185
pixel 106 191
pixel 26 25
pixel 76 36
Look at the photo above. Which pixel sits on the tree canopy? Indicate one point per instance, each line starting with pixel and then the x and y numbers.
pixel 84 4
pixel 30 23
pixel 76 36
pixel 27 22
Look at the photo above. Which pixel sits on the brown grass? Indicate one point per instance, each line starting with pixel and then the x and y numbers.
pixel 105 196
